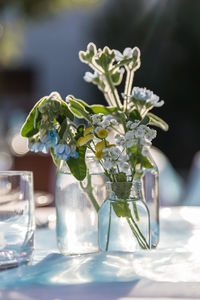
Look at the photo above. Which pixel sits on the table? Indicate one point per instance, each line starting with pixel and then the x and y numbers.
pixel 172 270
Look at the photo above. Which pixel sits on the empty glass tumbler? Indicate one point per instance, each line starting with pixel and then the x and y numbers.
pixel 16 218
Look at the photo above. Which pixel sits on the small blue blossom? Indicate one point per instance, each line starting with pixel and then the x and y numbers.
pixel 63 151
pixel 74 154
pixel 50 139
pixel 144 94
pixel 39 147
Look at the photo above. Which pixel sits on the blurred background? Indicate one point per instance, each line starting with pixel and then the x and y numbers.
pixel 39 45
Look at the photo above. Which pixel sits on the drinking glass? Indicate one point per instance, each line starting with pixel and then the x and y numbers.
pixel 17 222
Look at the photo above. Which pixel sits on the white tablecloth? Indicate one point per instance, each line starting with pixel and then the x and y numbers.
pixel 172 270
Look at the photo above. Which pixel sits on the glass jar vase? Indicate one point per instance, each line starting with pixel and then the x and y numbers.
pixel 150 182
pixel 77 206
pixel 124 220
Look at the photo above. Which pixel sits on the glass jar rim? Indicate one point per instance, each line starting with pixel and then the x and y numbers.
pixel 15 172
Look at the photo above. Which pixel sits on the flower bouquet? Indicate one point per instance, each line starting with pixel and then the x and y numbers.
pixel 118 135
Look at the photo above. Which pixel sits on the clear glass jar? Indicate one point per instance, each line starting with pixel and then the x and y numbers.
pixel 124 221
pixel 77 205
pixel 150 181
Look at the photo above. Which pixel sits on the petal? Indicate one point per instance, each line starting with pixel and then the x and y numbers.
pixel 128 52
pixel 158 104
pixel 60 148
pixel 118 55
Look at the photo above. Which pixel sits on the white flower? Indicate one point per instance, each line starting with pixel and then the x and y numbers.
pixel 104 123
pixel 128 124
pixel 131 143
pixel 114 122
pixel 127 53
pixel 108 164
pixel 96 119
pixel 124 167
pixel 142 94
pixel 124 158
pixel 115 153
pixel 150 134
pixel 132 125
pixel 89 77
pixel 143 141
pixel 120 140
pixel 140 132
pixel 98 128
pixel 129 135
pixel 145 150
pixel 130 138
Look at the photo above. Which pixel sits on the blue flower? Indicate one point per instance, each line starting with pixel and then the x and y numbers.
pixel 51 139
pixel 74 154
pixel 39 147
pixel 64 152
pixel 143 94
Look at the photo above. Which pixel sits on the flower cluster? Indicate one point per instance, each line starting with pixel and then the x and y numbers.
pixel 116 158
pixel 143 94
pixel 65 152
pixel 114 161
pixel 46 140
pixel 50 141
pixel 48 137
pixel 101 123
pixel 117 134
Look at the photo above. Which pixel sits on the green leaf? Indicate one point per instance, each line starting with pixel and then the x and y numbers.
pixel 77 108
pixel 135 115
pixel 134 149
pixel 87 56
pixel 117 77
pixel 146 163
pixel 80 132
pixel 76 113
pixel 156 121
pixel 105 59
pixel 144 121
pixel 63 127
pixel 77 165
pixel 96 109
pixel 101 85
pixel 65 111
pixel 31 125
pixel 80 129
pixel 121 209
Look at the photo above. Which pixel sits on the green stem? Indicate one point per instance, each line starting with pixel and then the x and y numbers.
pixel 113 90
pixel 108 232
pixel 129 81
pixel 136 211
pixel 141 243
pixel 88 189
pixel 128 86
pixel 140 233
pixel 108 99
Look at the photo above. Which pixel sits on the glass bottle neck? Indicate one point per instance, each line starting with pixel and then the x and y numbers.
pixel 124 190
